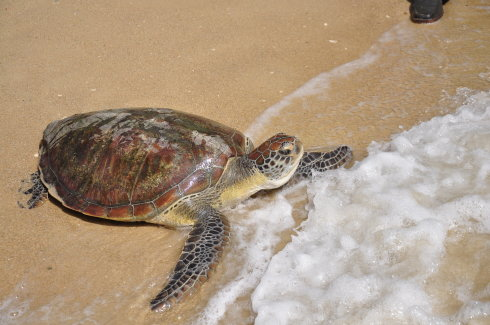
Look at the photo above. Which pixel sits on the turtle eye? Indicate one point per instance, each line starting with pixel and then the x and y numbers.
pixel 286 149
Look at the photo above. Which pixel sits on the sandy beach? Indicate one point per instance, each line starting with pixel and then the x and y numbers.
pixel 313 65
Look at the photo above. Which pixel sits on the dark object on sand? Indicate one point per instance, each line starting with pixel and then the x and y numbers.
pixel 426 11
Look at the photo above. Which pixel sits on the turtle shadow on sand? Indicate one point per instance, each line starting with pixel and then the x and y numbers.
pixel 167 168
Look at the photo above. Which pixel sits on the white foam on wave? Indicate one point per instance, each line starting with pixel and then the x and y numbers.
pixel 377 232
pixel 255 234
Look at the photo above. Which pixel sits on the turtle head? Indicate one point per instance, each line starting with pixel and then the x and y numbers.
pixel 277 158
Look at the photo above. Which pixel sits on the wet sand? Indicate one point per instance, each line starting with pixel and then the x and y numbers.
pixel 226 61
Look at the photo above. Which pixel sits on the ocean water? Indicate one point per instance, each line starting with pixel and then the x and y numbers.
pixel 403 236
pixel 378 234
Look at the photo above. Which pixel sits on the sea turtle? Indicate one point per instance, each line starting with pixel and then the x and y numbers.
pixel 166 167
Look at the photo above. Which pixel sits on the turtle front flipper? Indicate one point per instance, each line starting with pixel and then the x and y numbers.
pixel 33 191
pixel 322 161
pixel 201 252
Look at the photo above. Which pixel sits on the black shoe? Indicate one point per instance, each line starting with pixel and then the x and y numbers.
pixel 426 11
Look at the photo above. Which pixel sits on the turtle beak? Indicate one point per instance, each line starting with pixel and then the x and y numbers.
pixel 297 149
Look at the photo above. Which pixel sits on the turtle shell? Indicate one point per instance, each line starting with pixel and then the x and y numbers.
pixel 131 164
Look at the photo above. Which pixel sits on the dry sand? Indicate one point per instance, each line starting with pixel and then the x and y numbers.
pixel 226 60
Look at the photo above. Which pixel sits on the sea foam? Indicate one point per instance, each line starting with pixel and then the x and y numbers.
pixel 376 234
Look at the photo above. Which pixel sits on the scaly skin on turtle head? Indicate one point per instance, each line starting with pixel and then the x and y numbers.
pixel 277 158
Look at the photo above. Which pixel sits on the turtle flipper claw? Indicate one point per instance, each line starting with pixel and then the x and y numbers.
pixel 200 253
pixel 322 161
pixel 33 191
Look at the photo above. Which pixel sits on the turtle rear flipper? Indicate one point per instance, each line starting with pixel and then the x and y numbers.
pixel 201 252
pixel 33 192
pixel 322 161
